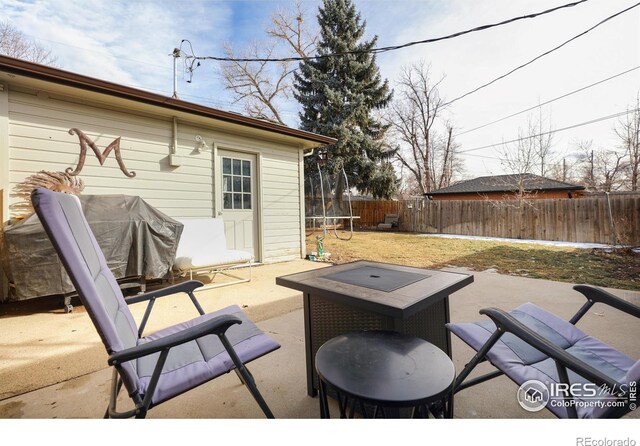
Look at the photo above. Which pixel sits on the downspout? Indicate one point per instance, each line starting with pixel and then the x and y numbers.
pixel 174 145
pixel 302 201
pixel 174 159
pixel 4 175
pixel 4 155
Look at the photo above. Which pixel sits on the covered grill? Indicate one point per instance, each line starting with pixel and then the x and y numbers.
pixel 138 241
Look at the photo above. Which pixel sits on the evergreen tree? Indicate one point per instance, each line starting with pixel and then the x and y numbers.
pixel 339 94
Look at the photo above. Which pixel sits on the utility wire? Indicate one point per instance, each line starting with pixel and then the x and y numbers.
pixel 593 121
pixel 481 156
pixel 547 102
pixel 389 48
pixel 541 55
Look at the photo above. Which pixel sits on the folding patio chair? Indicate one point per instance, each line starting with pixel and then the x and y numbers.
pixel 162 365
pixel 573 374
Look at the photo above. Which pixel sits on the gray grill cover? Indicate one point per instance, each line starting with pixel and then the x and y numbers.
pixel 137 239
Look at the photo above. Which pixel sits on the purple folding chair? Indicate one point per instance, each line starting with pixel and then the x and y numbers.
pixel 162 365
pixel 556 364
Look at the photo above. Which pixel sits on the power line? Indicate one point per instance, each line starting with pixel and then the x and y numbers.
pixel 480 156
pixel 541 55
pixel 387 48
pixel 593 121
pixel 216 102
pixel 547 102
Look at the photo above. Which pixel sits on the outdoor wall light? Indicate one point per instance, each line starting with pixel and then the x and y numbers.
pixel 201 144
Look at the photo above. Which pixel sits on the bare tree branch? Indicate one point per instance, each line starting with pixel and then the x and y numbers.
pixel 289 26
pixel 532 152
pixel 259 86
pixel 425 150
pixel 601 170
pixel 628 130
pixel 14 43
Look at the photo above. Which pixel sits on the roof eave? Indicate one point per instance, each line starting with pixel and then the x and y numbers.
pixel 554 189
pixel 45 73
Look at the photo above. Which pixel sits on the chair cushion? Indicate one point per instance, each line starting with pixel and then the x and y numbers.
pixel 203 244
pixel 521 362
pixel 212 259
pixel 203 359
pixel 62 217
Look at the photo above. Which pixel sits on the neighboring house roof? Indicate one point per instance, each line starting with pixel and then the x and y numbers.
pixel 506 183
pixel 55 75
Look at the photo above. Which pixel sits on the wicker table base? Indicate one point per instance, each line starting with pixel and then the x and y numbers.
pixel 325 319
pixel 418 307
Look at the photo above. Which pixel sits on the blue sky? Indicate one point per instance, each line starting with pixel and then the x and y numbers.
pixel 129 42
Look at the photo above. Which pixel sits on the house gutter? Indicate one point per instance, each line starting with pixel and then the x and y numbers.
pixel 55 75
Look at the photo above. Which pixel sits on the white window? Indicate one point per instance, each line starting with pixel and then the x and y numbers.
pixel 236 183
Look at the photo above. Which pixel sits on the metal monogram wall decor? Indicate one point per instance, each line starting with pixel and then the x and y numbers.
pixel 84 141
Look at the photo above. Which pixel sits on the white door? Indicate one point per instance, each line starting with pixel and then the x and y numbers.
pixel 238 200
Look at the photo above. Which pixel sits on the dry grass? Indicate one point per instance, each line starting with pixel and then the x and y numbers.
pixel 609 269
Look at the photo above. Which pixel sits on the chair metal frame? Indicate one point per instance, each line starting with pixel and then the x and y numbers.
pixel 213 271
pixel 217 326
pixel 506 323
pixel 207 326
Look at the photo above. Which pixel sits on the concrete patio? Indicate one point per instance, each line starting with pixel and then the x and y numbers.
pixel 54 366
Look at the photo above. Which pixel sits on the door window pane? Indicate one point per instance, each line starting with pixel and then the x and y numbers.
pixel 237 201
pixel 236 184
pixel 227 201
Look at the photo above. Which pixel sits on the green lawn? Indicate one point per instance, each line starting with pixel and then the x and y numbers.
pixel 596 267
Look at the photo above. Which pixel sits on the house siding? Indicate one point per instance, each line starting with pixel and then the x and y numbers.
pixel 38 139
pixel 281 205
pixel 279 202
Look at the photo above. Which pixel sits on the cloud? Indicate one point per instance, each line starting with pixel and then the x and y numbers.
pixel 129 42
pixel 472 60
pixel 124 42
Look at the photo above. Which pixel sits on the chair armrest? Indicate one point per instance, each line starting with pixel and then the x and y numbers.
pixel 595 294
pixel 218 325
pixel 507 323
pixel 184 287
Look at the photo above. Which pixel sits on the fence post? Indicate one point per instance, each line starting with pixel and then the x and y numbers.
pixel 614 239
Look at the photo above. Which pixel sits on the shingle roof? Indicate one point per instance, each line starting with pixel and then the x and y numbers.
pixel 505 183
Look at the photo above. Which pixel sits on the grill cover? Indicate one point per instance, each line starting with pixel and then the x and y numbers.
pixel 137 240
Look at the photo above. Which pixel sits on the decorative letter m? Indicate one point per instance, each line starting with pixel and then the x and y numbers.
pixel 84 140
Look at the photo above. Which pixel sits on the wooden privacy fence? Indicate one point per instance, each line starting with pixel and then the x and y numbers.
pixel 592 219
pixel 372 213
